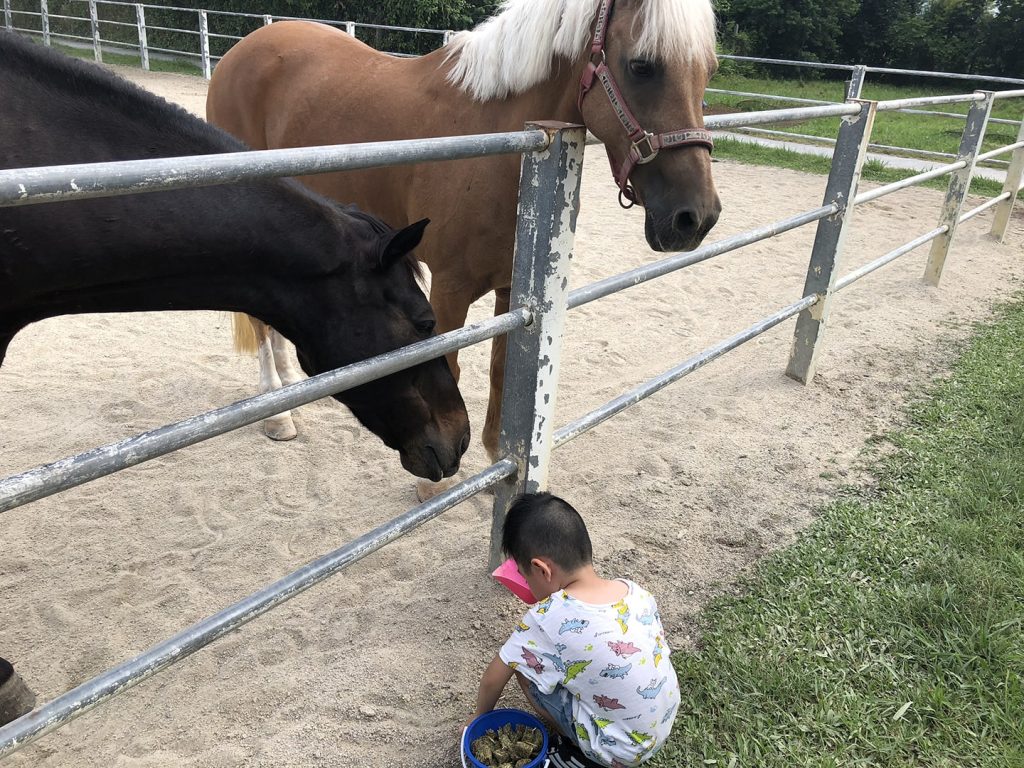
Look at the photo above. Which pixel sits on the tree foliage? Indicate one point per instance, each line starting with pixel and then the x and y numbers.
pixel 976 36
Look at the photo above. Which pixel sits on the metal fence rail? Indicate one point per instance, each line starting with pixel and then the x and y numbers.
pixel 544 240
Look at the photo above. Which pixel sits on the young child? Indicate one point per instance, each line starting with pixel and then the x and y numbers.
pixel 591 655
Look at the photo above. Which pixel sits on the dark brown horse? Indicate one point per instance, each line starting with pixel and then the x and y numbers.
pixel 303 84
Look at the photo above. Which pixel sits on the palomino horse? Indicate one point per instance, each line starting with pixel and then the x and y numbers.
pixel 337 282
pixel 304 84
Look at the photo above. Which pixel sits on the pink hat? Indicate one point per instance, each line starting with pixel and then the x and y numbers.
pixel 508 574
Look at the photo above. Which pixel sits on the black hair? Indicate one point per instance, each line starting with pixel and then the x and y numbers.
pixel 544 525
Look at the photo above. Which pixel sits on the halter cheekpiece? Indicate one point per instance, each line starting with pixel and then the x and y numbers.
pixel 645 145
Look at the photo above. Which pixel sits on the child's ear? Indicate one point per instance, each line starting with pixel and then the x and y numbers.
pixel 543 567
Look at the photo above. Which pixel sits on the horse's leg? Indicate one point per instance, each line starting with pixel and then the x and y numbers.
pixel 284 359
pixel 450 305
pixel 499 344
pixel 15 697
pixel 281 426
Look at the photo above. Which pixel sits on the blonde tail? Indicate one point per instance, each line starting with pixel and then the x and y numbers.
pixel 245 336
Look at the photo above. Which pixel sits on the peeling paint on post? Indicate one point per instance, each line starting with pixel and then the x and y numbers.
pixel 856 83
pixel 140 19
pixel 94 21
pixel 959 183
pixel 851 149
pixel 549 192
pixel 1012 185
pixel 204 44
pixel 44 20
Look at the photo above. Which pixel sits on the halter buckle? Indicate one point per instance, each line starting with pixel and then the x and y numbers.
pixel 638 149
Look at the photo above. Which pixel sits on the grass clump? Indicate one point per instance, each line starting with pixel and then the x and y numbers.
pixel 892 632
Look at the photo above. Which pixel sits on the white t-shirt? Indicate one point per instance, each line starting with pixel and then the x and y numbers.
pixel 613 659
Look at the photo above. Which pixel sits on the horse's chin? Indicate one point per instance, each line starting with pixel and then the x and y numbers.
pixel 669 241
pixel 423 463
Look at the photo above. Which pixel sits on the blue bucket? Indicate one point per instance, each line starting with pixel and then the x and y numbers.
pixel 492 721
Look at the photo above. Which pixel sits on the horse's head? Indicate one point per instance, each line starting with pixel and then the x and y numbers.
pixel 419 411
pixel 657 57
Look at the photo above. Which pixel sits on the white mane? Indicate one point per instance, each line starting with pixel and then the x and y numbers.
pixel 514 50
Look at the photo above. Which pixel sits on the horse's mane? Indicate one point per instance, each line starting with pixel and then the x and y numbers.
pixel 514 49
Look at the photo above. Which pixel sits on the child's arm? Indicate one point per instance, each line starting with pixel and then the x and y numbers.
pixel 492 683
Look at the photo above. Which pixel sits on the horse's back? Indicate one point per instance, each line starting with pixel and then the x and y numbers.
pixel 271 89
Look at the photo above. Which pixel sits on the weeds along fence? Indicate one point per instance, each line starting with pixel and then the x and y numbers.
pixel 548 204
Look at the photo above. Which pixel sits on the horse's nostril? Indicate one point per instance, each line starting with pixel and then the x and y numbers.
pixel 685 220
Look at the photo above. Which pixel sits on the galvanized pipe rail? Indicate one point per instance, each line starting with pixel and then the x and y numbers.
pixel 81 699
pixel 46 480
pixel 25 186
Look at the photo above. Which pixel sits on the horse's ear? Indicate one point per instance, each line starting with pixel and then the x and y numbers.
pixel 399 243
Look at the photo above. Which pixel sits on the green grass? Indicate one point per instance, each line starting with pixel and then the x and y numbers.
pixel 939 134
pixel 156 65
pixel 892 633
pixel 874 170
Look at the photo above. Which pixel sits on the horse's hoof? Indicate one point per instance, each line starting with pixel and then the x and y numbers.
pixel 279 428
pixel 427 489
pixel 15 697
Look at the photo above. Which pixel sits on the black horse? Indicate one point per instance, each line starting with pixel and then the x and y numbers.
pixel 337 282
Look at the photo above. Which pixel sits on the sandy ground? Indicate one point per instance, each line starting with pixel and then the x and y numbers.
pixel 379 665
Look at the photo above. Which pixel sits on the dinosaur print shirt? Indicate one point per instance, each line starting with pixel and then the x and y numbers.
pixel 613 659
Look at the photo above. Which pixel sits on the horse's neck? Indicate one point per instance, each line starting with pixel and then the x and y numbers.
pixel 214 248
pixel 552 99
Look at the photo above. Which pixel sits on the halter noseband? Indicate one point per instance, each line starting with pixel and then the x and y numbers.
pixel 645 145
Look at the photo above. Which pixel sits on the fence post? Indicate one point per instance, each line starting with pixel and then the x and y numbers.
pixel 8 21
pixel 856 83
pixel 447 38
pixel 851 149
pixel 350 28
pixel 959 184
pixel 94 21
pixel 267 20
pixel 44 20
pixel 140 18
pixel 1014 175
pixel 204 44
pixel 549 199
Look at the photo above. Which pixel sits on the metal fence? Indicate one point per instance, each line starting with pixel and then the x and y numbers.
pixel 201 36
pixel 549 187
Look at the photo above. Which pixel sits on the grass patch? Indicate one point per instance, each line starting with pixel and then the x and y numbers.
pixel 155 65
pixel 892 633
pixel 874 170
pixel 939 134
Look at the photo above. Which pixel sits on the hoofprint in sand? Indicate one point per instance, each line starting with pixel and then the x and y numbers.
pixel 378 666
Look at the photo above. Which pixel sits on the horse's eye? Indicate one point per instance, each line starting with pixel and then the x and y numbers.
pixel 641 67
pixel 425 326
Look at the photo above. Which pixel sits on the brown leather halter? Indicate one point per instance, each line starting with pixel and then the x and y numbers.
pixel 645 145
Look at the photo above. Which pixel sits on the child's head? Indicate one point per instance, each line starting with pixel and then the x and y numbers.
pixel 548 540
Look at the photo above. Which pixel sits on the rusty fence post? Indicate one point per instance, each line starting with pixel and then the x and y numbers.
pixel 1014 176
pixel 549 200
pixel 959 184
pixel 841 189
